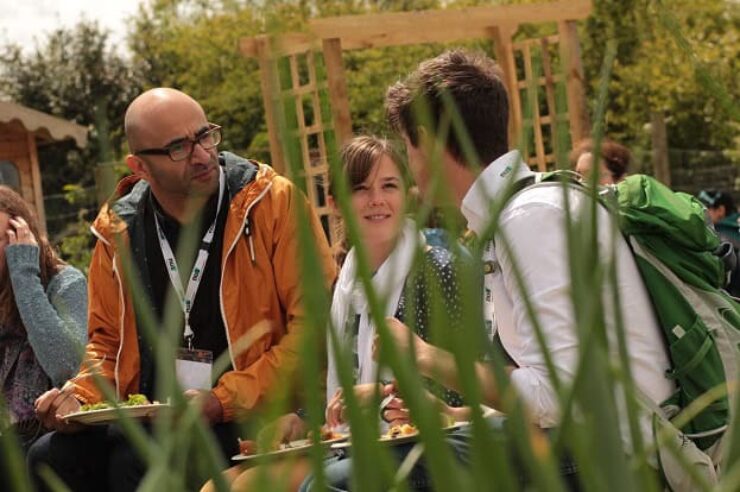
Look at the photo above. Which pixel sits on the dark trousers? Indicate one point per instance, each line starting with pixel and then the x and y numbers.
pixel 100 458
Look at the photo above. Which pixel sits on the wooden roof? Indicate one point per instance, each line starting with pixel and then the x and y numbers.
pixel 44 126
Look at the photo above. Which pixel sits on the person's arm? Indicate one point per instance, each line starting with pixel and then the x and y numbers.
pixel 244 389
pixel 55 320
pixel 439 364
pixel 536 232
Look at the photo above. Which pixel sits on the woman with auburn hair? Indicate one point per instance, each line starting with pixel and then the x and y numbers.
pixel 43 317
pixel 615 160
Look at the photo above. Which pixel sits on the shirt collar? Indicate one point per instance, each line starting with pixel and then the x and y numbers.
pixel 476 205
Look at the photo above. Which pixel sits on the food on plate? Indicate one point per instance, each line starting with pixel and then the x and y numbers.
pixel 133 400
pixel 330 435
pixel 247 447
pixel 400 430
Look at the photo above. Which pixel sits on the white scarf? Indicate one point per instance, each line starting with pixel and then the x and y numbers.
pixel 388 283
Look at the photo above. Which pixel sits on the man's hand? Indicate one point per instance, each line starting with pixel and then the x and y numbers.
pixel 284 429
pixel 53 405
pixel 210 406
pixel 335 409
pixel 403 338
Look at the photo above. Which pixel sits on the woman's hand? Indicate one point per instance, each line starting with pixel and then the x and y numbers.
pixel 335 409
pixel 19 233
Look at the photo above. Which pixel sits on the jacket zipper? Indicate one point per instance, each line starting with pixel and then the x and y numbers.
pixel 244 227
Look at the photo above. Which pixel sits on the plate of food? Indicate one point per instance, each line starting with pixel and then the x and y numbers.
pixel 249 450
pixel 137 407
pixel 400 434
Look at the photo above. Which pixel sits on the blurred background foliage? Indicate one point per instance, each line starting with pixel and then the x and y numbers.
pixel 192 45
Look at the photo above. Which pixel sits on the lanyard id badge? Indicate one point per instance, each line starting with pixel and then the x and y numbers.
pixel 194 368
pixel 186 295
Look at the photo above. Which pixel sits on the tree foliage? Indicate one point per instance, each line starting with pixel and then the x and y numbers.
pixel 677 57
pixel 656 72
pixel 76 75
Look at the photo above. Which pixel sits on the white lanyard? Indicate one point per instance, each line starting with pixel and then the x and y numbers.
pixel 187 297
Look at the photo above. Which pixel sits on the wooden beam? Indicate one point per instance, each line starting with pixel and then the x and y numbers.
pixel 38 192
pixel 337 88
pixel 419 27
pixel 502 46
pixel 270 88
pixel 570 55
pixel 284 44
pixel 439 26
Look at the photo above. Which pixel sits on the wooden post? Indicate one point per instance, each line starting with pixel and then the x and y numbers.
pixel 337 87
pixel 38 193
pixel 504 50
pixel 270 85
pixel 661 166
pixel 570 54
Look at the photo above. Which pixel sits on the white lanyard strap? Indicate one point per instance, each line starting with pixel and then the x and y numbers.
pixel 187 296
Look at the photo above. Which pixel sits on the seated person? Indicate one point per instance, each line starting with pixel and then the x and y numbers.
pixel 244 281
pixel 378 183
pixel 43 320
pixel 533 223
pixel 614 163
pixel 726 220
pixel 723 214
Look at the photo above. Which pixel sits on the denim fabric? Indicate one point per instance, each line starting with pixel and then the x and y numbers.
pixel 338 469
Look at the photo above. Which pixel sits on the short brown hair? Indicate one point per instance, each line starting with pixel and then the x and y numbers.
pixel 474 82
pixel 360 154
pixel 616 157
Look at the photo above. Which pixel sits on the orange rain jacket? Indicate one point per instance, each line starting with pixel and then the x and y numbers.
pixel 260 280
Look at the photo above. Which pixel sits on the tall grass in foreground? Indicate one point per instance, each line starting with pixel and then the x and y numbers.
pixel 180 450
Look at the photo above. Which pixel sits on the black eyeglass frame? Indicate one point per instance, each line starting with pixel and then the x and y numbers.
pixel 212 130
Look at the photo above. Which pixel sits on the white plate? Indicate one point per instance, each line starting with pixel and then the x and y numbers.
pixel 108 415
pixel 394 441
pixel 293 448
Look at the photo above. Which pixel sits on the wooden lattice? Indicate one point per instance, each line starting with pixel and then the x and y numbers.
pixel 299 109
pixel 544 77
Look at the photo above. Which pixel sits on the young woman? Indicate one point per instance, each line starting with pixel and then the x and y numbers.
pixel 43 316
pixel 614 160
pixel 379 183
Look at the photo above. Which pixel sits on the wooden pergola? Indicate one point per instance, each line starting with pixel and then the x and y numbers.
pixel 22 129
pixel 304 87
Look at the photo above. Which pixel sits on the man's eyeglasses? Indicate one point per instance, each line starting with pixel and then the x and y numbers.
pixel 182 149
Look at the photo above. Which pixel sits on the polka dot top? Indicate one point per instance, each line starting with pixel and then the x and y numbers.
pixel 435 279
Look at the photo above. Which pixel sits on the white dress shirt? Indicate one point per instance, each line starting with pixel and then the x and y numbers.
pixel 533 222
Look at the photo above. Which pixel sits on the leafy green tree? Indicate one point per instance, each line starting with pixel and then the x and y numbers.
pixel 74 74
pixel 656 72
pixel 77 75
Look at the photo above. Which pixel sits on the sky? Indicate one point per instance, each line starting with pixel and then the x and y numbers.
pixel 22 20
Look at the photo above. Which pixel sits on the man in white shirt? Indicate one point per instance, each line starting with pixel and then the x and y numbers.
pixel 533 224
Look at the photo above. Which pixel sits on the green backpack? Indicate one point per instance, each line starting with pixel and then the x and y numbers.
pixel 675 250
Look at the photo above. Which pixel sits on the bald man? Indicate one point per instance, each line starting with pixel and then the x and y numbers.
pixel 242 278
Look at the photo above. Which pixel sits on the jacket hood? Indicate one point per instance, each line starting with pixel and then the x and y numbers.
pixel 242 175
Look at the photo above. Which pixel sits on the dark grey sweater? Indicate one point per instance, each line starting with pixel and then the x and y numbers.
pixel 55 319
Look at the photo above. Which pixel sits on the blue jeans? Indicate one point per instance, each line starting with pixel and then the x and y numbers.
pixel 338 469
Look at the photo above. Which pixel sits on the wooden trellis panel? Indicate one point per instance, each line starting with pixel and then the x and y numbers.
pixel 305 129
pixel 546 96
pixel 545 115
